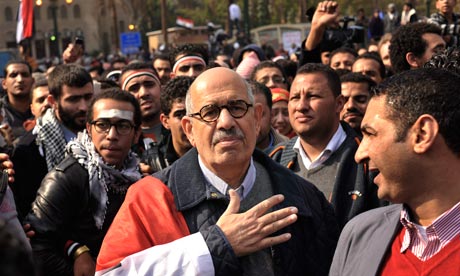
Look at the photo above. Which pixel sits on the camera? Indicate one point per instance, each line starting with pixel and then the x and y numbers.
pixel 345 36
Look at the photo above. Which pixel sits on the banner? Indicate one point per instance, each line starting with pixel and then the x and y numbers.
pixel 25 20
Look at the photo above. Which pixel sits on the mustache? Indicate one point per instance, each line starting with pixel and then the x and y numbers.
pixel 353 111
pixel 232 133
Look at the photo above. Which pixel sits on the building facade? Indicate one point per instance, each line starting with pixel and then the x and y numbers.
pixel 98 22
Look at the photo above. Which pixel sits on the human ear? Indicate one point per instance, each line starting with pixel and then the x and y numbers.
pixel 187 126
pixel 424 133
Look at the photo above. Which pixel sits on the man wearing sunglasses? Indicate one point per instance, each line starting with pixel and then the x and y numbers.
pixel 78 200
pixel 223 187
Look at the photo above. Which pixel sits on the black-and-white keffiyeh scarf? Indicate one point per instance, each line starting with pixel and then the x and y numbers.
pixel 51 138
pixel 102 176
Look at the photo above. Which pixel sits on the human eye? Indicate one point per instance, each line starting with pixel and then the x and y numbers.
pixel 124 125
pixel 149 84
pixel 361 99
pixel 294 96
pixel 209 112
pixel 102 125
pixel 179 114
pixel 134 88
pixel 184 69
pixel 263 80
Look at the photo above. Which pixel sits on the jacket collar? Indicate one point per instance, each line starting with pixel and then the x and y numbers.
pixel 189 186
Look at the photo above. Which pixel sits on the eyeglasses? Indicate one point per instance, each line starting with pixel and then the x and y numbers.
pixel 275 79
pixel 122 127
pixel 211 112
pixel 146 84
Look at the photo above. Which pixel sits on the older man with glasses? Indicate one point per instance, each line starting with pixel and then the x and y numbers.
pixel 223 187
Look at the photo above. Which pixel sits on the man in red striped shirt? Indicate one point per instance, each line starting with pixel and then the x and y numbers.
pixel 411 139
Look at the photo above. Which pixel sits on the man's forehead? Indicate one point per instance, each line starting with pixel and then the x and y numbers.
pixel 17 67
pixel 110 113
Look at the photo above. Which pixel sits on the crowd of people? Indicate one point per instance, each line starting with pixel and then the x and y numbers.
pixel 192 164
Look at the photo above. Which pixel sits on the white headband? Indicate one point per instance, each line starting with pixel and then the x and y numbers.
pixel 112 113
pixel 187 58
pixel 136 74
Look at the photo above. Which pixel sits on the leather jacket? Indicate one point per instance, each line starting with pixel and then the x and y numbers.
pixel 62 213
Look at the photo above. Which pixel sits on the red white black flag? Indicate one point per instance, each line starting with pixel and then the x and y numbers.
pixel 184 22
pixel 25 20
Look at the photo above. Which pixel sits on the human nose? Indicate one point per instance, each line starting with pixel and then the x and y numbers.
pixel 225 119
pixel 112 132
pixel 361 154
pixel 350 104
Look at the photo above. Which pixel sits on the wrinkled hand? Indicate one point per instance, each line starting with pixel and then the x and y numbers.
pixel 84 265
pixel 28 230
pixel 249 232
pixel 326 14
pixel 6 164
pixel 72 53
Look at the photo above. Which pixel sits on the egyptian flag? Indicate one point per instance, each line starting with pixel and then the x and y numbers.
pixel 184 22
pixel 25 20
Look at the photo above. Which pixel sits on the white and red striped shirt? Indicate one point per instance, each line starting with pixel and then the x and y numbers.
pixel 425 242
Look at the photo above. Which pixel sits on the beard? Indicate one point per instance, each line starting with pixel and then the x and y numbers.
pixel 70 120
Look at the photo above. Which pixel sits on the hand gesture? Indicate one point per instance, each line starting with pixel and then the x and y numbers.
pixel 72 53
pixel 326 14
pixel 250 231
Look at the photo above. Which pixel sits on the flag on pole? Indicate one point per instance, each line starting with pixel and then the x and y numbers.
pixel 184 22
pixel 25 20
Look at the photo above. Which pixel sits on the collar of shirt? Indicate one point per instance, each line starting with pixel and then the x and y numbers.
pixel 222 186
pixel 331 147
pixel 443 230
pixel 68 134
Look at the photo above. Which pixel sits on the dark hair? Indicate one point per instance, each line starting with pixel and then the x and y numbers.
pixel 448 59
pixel 116 94
pixel 259 88
pixel 267 64
pixel 376 57
pixel 161 57
pixel 188 50
pixel 118 59
pixel 343 50
pixel 67 74
pixel 332 77
pixel 16 61
pixel 408 38
pixel 175 89
pixel 358 78
pixel 289 67
pixel 39 82
pixel 136 66
pixel 413 93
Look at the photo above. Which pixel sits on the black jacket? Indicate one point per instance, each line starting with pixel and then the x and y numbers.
pixel 30 169
pixel 62 212
pixel 314 234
